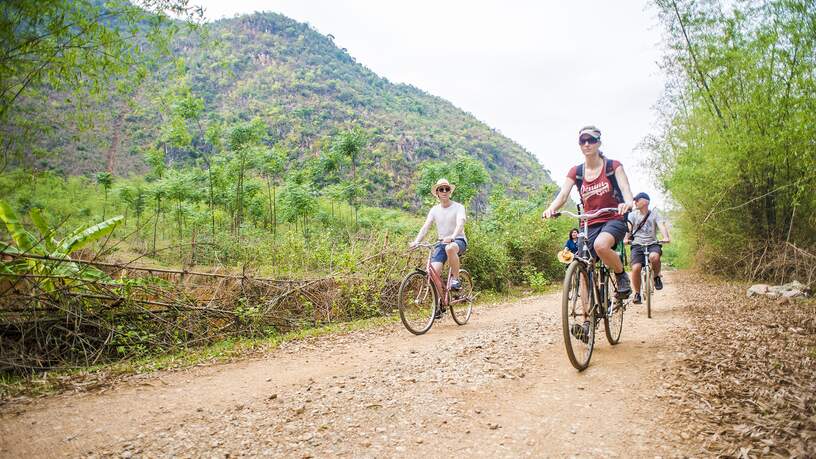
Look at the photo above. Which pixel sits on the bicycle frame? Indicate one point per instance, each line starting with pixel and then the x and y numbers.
pixel 436 278
pixel 597 299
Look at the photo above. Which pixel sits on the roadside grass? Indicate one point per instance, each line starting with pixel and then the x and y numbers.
pixel 98 376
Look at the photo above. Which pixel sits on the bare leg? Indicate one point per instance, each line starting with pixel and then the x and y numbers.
pixel 437 266
pixel 603 247
pixel 636 277
pixel 452 250
pixel 654 261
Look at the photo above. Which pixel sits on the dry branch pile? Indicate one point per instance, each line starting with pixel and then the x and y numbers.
pixel 50 321
pixel 747 384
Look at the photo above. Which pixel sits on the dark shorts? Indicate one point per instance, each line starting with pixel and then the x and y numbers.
pixel 617 228
pixel 639 253
pixel 439 254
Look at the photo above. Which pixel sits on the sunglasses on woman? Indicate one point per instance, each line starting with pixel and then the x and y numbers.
pixel 443 189
pixel 588 141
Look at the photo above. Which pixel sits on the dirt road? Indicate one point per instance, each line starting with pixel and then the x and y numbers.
pixel 501 386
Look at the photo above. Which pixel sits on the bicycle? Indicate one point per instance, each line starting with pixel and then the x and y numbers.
pixel 423 296
pixel 646 282
pixel 578 340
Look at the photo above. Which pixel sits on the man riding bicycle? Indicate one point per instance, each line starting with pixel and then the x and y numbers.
pixel 643 226
pixel 449 217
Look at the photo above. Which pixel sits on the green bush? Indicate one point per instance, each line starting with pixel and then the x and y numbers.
pixel 487 261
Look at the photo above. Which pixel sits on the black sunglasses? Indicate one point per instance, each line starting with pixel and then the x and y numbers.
pixel 588 140
pixel 443 189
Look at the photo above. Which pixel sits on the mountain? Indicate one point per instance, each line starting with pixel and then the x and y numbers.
pixel 306 89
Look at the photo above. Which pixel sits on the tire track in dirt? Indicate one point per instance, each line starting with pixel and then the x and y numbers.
pixel 501 386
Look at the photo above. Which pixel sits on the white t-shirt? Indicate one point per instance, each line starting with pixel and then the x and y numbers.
pixel 445 219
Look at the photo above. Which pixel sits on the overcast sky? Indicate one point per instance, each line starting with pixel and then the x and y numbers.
pixel 535 70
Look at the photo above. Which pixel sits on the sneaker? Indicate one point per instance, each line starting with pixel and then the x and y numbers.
pixel 636 299
pixel 455 284
pixel 624 289
pixel 658 283
pixel 439 313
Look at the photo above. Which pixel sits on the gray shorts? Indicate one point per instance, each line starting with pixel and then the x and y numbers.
pixel 617 228
pixel 639 253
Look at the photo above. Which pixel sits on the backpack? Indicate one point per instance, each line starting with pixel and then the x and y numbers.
pixel 610 175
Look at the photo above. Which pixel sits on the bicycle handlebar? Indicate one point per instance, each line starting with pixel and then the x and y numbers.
pixel 427 245
pixel 633 243
pixel 597 213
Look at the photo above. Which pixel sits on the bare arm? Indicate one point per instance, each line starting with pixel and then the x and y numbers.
pixel 664 230
pixel 423 231
pixel 623 183
pixel 627 238
pixel 560 199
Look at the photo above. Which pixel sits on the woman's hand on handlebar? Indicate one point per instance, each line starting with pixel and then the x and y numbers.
pixel 624 207
pixel 550 213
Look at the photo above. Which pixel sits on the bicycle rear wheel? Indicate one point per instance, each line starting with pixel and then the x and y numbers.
pixel 613 323
pixel 578 339
pixel 462 300
pixel 647 290
pixel 417 303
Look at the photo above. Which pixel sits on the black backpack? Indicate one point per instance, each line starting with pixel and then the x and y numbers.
pixel 610 174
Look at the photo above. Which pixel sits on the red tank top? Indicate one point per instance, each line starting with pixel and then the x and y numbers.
pixel 597 194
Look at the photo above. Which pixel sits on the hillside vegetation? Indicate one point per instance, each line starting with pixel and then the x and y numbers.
pixel 302 86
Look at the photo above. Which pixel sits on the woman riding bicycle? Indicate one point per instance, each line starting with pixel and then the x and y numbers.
pixel 601 183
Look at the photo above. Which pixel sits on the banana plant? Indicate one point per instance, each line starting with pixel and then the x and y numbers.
pixel 58 251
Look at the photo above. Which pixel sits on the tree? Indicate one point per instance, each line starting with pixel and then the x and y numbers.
pixel 106 180
pixel 298 200
pixel 272 165
pixel 465 173
pixel 350 145
pixel 243 141
pixel 155 159
pixel 134 198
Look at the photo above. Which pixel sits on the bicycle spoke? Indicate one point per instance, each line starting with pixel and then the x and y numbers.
pixel 417 303
pixel 578 337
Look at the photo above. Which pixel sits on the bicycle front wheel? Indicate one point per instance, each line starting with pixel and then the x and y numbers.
pixel 613 323
pixel 462 300
pixel 579 331
pixel 417 303
pixel 647 290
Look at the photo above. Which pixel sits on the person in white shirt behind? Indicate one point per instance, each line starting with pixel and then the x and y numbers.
pixel 449 217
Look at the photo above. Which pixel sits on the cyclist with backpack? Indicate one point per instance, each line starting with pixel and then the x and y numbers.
pixel 644 224
pixel 601 183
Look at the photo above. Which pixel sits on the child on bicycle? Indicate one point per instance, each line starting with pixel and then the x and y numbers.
pixel 643 225
pixel 449 217
pixel 601 183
